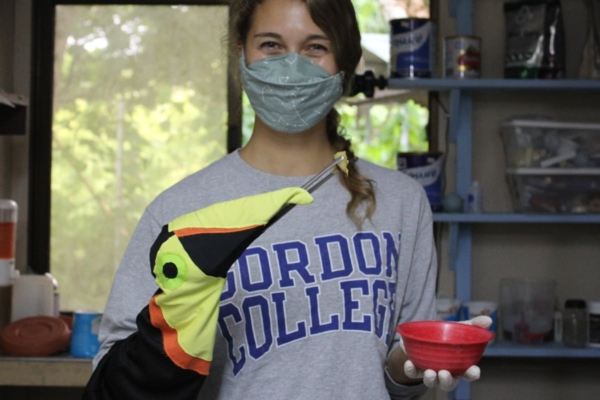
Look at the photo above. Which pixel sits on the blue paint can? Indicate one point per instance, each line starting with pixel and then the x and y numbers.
pixel 428 170
pixel 84 335
pixel 412 48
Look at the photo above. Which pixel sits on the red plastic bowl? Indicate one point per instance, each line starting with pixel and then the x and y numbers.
pixel 441 345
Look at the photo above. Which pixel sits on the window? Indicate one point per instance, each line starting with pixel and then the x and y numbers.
pixel 393 120
pixel 131 96
pixel 140 99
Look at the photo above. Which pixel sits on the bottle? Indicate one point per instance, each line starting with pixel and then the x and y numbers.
pixel 8 231
pixel 475 199
pixel 558 326
pixel 594 323
pixel 575 330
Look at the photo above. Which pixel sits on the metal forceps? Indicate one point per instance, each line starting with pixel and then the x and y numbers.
pixel 313 184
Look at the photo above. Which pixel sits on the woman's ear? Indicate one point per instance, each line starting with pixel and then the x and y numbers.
pixel 240 49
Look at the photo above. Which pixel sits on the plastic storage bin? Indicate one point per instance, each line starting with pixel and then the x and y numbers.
pixel 550 144
pixel 555 190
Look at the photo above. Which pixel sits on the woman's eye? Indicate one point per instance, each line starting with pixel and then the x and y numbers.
pixel 270 46
pixel 316 49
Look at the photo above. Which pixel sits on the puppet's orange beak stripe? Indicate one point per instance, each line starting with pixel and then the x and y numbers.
pixel 171 344
pixel 197 231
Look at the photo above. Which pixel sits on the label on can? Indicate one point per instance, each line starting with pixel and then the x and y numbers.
pixel 428 170
pixel 412 49
pixel 462 56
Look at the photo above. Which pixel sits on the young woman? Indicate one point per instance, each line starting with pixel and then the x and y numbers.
pixel 307 309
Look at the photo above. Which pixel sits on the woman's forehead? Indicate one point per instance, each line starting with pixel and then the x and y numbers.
pixel 284 17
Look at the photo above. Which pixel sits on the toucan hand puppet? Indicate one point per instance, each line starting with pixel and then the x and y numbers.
pixel 170 354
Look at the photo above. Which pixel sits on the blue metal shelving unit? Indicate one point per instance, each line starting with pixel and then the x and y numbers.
pixel 471 85
pixel 517 218
pixel 460 224
pixel 548 350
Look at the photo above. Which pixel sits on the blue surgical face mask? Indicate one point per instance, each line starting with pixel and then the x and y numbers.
pixel 289 92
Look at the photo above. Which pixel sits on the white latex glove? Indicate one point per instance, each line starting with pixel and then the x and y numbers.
pixel 443 378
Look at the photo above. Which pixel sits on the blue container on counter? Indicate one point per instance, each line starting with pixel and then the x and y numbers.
pixel 84 335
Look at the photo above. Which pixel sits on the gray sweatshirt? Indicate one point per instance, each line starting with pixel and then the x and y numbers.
pixel 309 310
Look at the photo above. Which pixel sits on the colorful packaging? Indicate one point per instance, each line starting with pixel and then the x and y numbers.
pixel 535 41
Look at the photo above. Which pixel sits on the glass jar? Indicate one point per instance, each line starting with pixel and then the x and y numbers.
pixel 575 323
pixel 594 323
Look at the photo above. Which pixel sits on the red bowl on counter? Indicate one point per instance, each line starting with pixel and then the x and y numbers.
pixel 442 345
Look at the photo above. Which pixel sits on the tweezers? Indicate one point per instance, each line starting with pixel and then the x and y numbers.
pixel 323 176
pixel 313 184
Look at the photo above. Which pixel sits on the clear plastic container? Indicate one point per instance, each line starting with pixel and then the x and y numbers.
pixel 527 309
pixel 575 323
pixel 544 143
pixel 555 190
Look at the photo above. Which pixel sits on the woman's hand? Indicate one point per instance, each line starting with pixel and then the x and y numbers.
pixel 443 378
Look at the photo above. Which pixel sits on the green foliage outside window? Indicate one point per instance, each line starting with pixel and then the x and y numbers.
pixel 140 102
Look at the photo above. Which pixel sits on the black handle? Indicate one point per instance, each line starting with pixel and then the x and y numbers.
pixel 366 83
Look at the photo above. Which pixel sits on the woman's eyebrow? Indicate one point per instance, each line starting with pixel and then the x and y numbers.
pixel 274 35
pixel 317 37
pixel 268 34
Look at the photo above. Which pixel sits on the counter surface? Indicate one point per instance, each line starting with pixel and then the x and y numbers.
pixel 58 370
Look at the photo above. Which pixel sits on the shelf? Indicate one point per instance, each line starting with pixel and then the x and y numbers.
pixel 549 350
pixel 13 114
pixel 441 84
pixel 517 218
pixel 59 370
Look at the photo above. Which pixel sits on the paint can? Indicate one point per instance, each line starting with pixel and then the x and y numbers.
pixel 412 48
pixel 84 335
pixel 462 57
pixel 428 170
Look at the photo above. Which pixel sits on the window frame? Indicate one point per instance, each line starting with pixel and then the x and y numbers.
pixel 41 117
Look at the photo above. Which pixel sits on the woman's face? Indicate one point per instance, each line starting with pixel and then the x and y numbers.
pixel 283 26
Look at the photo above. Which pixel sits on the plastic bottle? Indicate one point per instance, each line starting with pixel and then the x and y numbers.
pixel 475 199
pixel 8 273
pixel 558 326
pixel 575 330
pixel 8 232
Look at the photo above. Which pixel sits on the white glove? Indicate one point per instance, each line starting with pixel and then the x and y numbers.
pixel 443 378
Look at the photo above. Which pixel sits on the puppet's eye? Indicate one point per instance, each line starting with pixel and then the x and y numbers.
pixel 170 270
